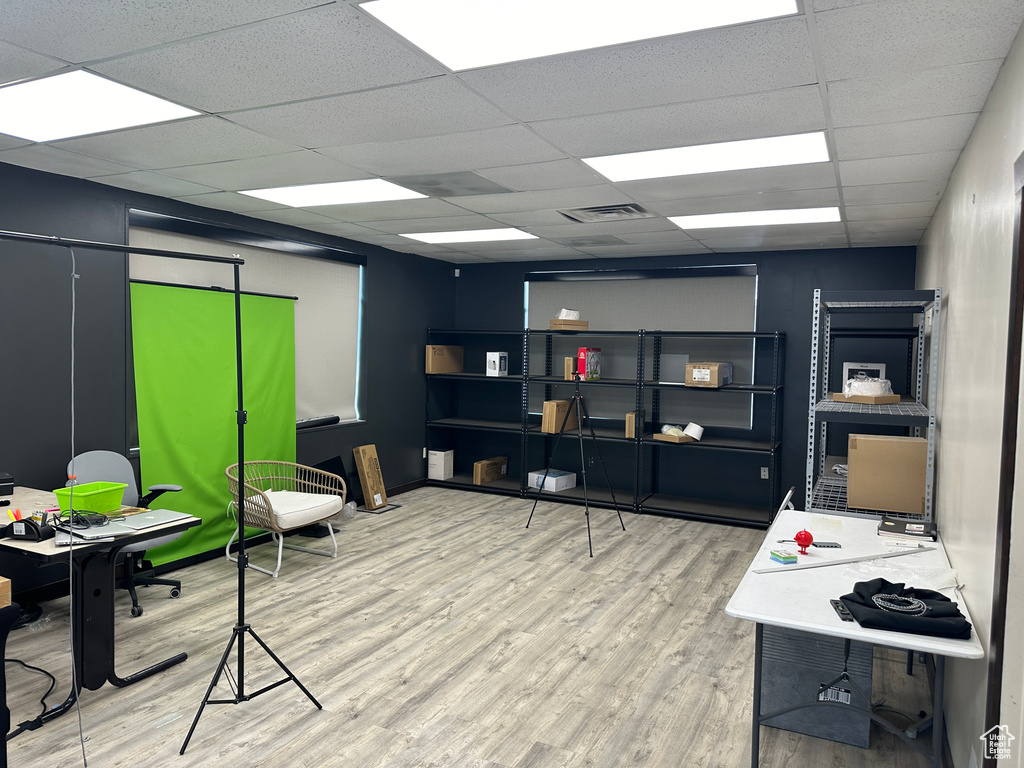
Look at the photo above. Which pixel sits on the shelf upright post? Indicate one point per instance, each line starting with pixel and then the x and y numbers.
pixel 775 483
pixel 638 421
pixel 524 414
pixel 656 411
pixel 813 390
pixel 933 391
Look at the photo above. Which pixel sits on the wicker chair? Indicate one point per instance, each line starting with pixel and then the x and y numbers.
pixel 281 497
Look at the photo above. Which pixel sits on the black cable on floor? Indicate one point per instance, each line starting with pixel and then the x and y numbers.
pixel 31 725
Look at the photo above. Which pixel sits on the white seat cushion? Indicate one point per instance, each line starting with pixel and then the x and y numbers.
pixel 294 509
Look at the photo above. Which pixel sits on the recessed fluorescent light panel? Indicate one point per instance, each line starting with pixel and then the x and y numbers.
pixel 334 193
pixel 76 104
pixel 463 34
pixel 713 158
pixel 756 218
pixel 471 236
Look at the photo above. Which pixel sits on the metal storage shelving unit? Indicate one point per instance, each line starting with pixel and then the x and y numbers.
pixel 450 418
pixel 915 412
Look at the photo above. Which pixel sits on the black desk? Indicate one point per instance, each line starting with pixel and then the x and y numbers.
pixel 92 605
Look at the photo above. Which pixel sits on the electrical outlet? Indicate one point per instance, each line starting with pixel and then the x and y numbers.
pixel 764 473
pixel 424 452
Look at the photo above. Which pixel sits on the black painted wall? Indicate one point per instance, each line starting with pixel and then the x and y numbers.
pixel 491 296
pixel 404 295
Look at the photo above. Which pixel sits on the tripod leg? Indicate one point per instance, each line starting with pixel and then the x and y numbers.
pixel 597 449
pixel 213 684
pixel 565 420
pixel 577 402
pixel 287 671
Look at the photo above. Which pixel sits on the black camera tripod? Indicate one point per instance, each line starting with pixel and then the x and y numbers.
pixel 577 405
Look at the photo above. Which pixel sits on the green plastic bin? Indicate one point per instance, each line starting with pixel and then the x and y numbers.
pixel 92 497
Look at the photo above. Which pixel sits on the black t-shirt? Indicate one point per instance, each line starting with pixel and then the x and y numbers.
pixel 942 617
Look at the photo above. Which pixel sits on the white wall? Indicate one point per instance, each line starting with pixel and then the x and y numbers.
pixel 967 251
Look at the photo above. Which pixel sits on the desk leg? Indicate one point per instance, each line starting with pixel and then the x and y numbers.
pixel 755 734
pixel 937 722
pixel 93 618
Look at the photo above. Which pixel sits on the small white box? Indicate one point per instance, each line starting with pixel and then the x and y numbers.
pixel 440 465
pixel 871 370
pixel 557 480
pixel 497 363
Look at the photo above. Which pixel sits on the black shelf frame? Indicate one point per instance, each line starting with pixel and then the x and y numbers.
pixel 768 385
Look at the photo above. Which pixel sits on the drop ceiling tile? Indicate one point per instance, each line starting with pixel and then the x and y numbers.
pixel 763 56
pixel 549 175
pixel 896 37
pixel 664 237
pixel 877 239
pixel 617 228
pixel 443 154
pixel 902 96
pixel 874 212
pixel 930 134
pixel 527 219
pixel 360 213
pixel 10 142
pixel 296 217
pixel 751 201
pixel 54 160
pixel 885 170
pixel 887 226
pixel 301 167
pixel 342 229
pixel 783 179
pixel 776 243
pixel 438 224
pixel 97 29
pixel 773 113
pixel 541 257
pixel 636 250
pixel 429 107
pixel 829 5
pixel 260 64
pixel 17 63
pixel 153 184
pixel 229 201
pixel 169 145
pixel 904 192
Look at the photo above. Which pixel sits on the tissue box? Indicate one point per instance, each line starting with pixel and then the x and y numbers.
pixel 497 363
pixel 588 363
pixel 440 465
pixel 557 480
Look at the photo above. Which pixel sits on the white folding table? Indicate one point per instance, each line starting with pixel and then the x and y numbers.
pixel 799 599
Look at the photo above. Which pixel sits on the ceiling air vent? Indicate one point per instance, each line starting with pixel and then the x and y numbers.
pixel 607 213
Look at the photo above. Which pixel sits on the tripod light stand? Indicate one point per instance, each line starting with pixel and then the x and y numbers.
pixel 241 628
pixel 577 405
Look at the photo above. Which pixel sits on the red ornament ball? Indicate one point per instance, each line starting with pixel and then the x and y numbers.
pixel 803 540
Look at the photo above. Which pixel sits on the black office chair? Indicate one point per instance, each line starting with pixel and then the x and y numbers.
pixel 108 466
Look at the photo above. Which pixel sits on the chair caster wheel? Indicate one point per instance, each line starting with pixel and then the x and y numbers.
pixel 136 611
pixel 175 592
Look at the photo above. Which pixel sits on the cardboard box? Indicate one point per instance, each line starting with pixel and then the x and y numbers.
pixel 673 438
pixel 497 363
pixel 489 470
pixel 440 465
pixel 557 479
pixel 370 477
pixel 631 423
pixel 708 374
pixel 554 412
pixel 5 592
pixel 887 473
pixel 442 358
pixel 568 325
pixel 570 369
pixel 839 397
pixel 588 363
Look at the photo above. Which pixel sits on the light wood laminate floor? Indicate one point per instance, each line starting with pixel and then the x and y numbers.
pixel 446 634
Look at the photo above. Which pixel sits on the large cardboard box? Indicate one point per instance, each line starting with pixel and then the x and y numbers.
pixel 839 397
pixel 557 479
pixel 440 465
pixel 444 358
pixel 631 423
pixel 887 473
pixel 708 374
pixel 588 363
pixel 554 413
pixel 370 477
pixel 568 325
pixel 489 470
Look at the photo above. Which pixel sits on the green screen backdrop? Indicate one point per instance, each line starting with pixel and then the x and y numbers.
pixel 183 343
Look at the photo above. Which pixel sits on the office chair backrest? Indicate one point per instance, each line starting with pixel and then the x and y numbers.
pixel 108 466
